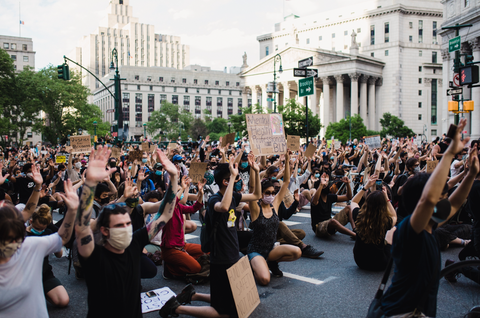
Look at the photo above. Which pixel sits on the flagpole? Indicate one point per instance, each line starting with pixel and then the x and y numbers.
pixel 20 21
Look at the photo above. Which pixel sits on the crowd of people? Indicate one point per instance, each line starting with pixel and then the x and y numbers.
pixel 122 218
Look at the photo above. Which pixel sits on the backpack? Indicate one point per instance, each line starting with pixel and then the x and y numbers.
pixel 208 232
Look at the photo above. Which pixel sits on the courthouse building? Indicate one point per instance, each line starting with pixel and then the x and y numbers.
pixel 462 12
pixel 375 57
pixel 137 44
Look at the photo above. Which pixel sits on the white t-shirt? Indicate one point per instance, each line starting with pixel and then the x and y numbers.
pixel 454 172
pixel 21 287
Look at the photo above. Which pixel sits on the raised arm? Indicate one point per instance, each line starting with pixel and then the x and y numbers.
pixel 257 191
pixel 348 195
pixel 35 196
pixel 224 205
pixel 283 190
pixel 323 184
pixel 71 201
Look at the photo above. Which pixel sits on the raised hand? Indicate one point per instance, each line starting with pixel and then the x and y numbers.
pixel 70 196
pixel 36 175
pixel 233 169
pixel 96 171
pixel 252 163
pixel 473 163
pixel 201 184
pixel 2 179
pixel 324 179
pixel 457 144
pixel 141 174
pixel 345 179
pixel 371 181
pixel 166 163
pixel 129 191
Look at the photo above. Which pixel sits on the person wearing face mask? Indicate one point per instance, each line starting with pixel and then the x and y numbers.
pixel 102 198
pixel 73 169
pixel 412 167
pixel 24 184
pixel 41 225
pixel 262 252
pixel 244 172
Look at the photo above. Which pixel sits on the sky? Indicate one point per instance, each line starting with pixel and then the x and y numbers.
pixel 218 31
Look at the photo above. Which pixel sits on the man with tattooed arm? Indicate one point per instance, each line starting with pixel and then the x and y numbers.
pixel 112 270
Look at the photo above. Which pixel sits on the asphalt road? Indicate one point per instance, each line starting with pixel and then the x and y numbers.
pixel 345 291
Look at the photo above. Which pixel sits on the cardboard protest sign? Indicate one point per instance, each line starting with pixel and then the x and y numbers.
pixel 228 139
pixel 145 146
pixel 243 287
pixel 155 299
pixel 135 155
pixel 172 145
pixel 338 144
pixel 293 142
pixel 197 171
pixel 68 148
pixel 80 144
pixel 116 152
pixel 373 142
pixel 431 165
pixel 266 134
pixel 60 159
pixel 310 151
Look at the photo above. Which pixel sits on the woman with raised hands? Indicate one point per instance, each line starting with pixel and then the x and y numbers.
pixel 21 258
pixel 261 250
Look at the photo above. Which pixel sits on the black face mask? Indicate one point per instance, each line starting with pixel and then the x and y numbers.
pixel 113 164
pixel 325 191
pixel 104 201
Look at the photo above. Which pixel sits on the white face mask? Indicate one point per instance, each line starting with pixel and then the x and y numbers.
pixel 120 237
pixel 7 250
pixel 29 175
pixel 78 165
pixel 268 199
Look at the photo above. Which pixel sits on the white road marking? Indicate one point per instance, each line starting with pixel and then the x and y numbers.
pixel 290 223
pixel 190 236
pixel 308 279
pixel 302 215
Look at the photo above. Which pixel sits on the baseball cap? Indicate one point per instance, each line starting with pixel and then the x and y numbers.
pixel 177 158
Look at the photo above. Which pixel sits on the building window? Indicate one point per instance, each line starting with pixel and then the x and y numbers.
pixel 420 31
pixel 160 79
pixel 25 58
pixel 276 47
pixel 419 104
pixel 126 98
pixel 230 106
pixel 410 38
pixel 6 46
pixel 237 84
pixel 186 102
pixel 434 102
pixel 186 89
pixel 151 102
pixel 138 102
pixel 172 80
pixel 208 91
pixel 175 99
pixel 184 80
pixel 387 32
pixel 29 134
pixel 24 47
pixel 138 87
pixel 195 81
pixel 420 53
pixel 206 82
pixel 319 38
pixel 308 41
pixel 149 78
pixel 227 83
pixel 209 102
pixel 434 57
pixel 163 98
pixel 372 54
pixel 138 120
pixel 466 3
pixel 266 50
pixel 386 52
pixel 174 89
pixel 419 116
pixel 14 57
pixel 163 88
pixel 372 35
pixel 216 83
pixel 137 77
pixel 151 88
pixel 420 80
pixel 419 68
pixel 434 32
pixel 359 30
pixel 198 101
pixel 14 46
pixel 419 92
pixel 240 103
pixel 345 33
pixel 219 101
pixel 433 132
pixel 333 35
pixel 410 24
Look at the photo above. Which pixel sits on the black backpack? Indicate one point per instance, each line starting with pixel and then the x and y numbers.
pixel 208 232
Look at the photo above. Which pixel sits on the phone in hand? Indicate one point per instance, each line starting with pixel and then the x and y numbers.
pixel 452 130
pixel 379 184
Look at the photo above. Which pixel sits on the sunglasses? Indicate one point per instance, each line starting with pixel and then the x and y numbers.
pixel 271 193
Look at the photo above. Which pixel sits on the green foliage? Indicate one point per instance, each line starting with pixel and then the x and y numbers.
pixel 199 128
pixel 341 130
pixel 170 122
pixel 371 133
pixel 394 126
pixel 294 115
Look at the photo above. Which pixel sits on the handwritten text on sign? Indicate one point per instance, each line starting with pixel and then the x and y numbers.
pixel 157 299
pixel 197 171
pixel 243 287
pixel 373 142
pixel 80 144
pixel 266 134
pixel 293 143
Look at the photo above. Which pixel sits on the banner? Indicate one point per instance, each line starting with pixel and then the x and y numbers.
pixel 293 143
pixel 81 144
pixel 243 287
pixel 373 142
pixel 266 134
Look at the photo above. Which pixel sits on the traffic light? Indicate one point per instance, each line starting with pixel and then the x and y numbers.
pixel 63 72
pixel 452 106
pixel 469 75
pixel 468 59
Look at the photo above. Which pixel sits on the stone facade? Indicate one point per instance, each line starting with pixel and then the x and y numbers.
pixel 196 89
pixel 400 34
pixel 462 12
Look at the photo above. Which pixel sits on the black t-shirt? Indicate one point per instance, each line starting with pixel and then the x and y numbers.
pixel 138 221
pixel 474 201
pixel 24 187
pixel 113 280
pixel 225 246
pixel 323 210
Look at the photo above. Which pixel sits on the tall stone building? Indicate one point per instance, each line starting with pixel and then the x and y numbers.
pixel 137 44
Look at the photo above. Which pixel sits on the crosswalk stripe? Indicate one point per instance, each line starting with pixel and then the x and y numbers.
pixel 308 279
pixel 190 236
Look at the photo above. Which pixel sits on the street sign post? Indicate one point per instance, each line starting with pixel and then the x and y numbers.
pixel 305 72
pixel 305 62
pixel 454 44
pixel 454 91
pixel 306 86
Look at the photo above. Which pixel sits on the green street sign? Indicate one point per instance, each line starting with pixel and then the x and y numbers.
pixel 454 44
pixel 270 99
pixel 305 86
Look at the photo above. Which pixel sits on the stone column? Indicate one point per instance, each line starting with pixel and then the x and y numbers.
pixel 325 116
pixel 371 103
pixel 244 99
pixel 264 96
pixel 354 93
pixel 339 106
pixel 254 95
pixel 286 92
pixel 475 115
pixel 363 97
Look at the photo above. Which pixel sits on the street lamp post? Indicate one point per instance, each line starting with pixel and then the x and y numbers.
pixel 118 122
pixel 145 131
pixel 80 130
pixel 229 125
pixel 95 133
pixel 280 70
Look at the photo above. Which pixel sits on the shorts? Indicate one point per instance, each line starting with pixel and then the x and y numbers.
pixel 152 248
pixel 220 291
pixel 322 227
pixel 254 254
pixel 50 283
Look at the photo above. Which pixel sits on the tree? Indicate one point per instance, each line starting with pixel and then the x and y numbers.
pixel 199 128
pixel 341 130
pixel 294 118
pixel 217 128
pixel 394 126
pixel 170 121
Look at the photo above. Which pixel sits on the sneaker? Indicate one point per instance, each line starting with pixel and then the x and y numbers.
pixel 166 273
pixel 168 310
pixel 451 277
pixel 185 297
pixel 273 266
pixel 310 252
